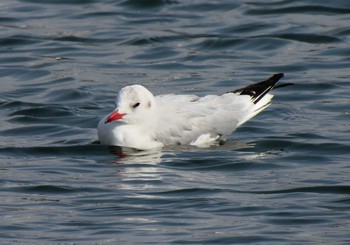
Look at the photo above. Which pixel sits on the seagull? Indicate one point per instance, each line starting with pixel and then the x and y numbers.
pixel 143 121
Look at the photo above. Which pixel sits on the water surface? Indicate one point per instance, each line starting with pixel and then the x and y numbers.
pixel 282 178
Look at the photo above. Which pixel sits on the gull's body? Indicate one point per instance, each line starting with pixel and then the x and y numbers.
pixel 144 121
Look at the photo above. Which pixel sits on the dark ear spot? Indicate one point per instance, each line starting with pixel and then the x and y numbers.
pixel 149 104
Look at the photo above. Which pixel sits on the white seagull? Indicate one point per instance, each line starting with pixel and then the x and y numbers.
pixel 144 121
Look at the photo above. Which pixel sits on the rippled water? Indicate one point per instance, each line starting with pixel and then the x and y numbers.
pixel 282 178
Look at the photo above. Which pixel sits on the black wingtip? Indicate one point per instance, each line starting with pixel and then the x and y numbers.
pixel 283 85
pixel 258 90
pixel 277 76
pixel 271 81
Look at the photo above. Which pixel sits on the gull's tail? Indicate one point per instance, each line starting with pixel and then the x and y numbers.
pixel 258 93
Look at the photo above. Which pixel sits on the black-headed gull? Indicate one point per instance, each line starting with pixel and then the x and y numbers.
pixel 143 121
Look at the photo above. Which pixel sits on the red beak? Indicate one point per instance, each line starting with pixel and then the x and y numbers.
pixel 114 116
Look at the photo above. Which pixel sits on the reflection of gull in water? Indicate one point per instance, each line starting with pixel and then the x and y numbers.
pixel 150 169
pixel 127 155
pixel 227 145
pixel 154 156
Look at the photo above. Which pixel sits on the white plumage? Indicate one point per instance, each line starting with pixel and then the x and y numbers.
pixel 143 121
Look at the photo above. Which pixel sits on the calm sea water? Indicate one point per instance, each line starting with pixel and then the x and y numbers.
pixel 282 178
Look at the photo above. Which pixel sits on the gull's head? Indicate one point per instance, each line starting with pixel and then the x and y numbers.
pixel 133 104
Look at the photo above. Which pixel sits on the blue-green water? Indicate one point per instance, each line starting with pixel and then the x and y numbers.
pixel 282 178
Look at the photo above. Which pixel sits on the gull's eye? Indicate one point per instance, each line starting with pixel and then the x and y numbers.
pixel 136 105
